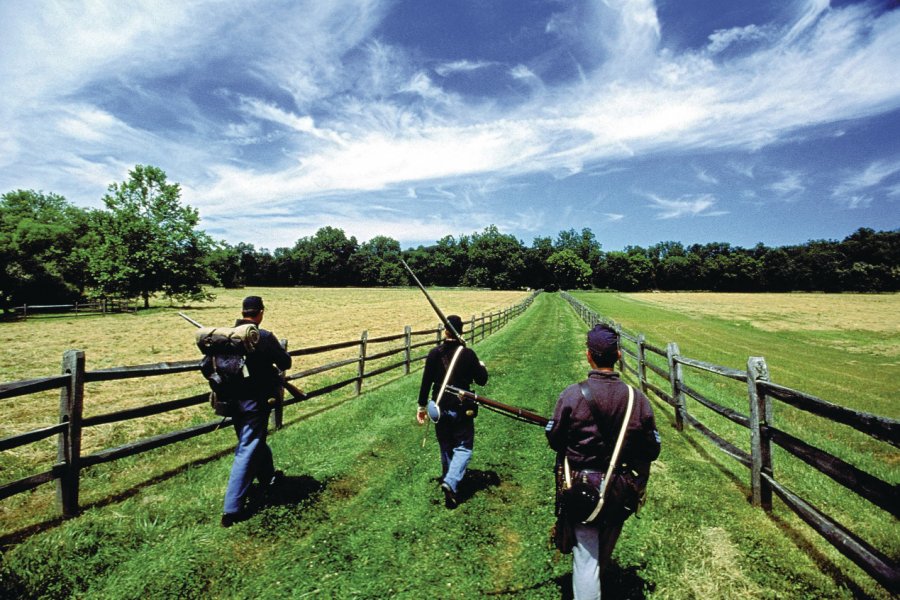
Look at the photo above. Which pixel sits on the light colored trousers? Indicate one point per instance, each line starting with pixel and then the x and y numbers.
pixel 594 545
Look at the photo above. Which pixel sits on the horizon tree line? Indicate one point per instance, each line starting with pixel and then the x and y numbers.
pixel 145 242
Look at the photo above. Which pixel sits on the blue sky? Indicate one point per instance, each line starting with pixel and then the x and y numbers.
pixel 686 120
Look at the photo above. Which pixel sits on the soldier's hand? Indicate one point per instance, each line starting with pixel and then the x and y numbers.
pixel 420 415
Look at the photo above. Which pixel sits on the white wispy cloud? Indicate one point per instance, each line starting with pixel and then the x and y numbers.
pixel 461 66
pixel 790 183
pixel 705 177
pixel 871 176
pixel 688 206
pixel 723 38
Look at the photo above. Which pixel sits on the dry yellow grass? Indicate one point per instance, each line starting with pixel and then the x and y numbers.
pixel 879 313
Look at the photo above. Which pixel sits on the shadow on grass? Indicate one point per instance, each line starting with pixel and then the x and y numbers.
pixel 476 481
pixel 16 537
pixel 618 584
pixel 292 490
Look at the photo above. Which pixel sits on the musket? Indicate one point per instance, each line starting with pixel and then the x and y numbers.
pixel 294 390
pixel 507 410
pixel 440 314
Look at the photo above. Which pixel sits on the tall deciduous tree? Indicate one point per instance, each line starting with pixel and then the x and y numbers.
pixel 149 242
pixel 43 241
pixel 496 260
pixel 569 270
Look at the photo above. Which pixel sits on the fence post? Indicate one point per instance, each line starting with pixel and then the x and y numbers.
pixel 675 379
pixel 363 342
pixel 407 342
pixel 618 329
pixel 276 416
pixel 472 331
pixel 71 407
pixel 642 375
pixel 760 443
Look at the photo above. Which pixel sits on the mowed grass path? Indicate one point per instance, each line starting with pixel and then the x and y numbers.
pixel 362 516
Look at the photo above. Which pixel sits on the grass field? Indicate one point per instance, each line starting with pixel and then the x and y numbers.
pixel 362 517
pixel 841 348
pixel 304 316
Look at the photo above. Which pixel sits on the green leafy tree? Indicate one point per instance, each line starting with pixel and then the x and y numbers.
pixel 148 242
pixel 377 262
pixel 496 260
pixel 43 246
pixel 538 272
pixel 224 262
pixel 568 269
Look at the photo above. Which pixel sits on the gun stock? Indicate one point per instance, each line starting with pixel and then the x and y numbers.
pixel 506 409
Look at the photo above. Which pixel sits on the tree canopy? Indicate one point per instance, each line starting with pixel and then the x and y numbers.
pixel 146 242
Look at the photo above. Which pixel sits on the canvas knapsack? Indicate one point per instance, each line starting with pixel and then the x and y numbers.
pixel 224 363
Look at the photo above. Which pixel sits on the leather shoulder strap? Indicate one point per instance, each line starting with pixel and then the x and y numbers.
pixel 589 398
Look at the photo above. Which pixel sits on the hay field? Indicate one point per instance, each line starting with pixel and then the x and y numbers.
pixel 877 314
pixel 306 317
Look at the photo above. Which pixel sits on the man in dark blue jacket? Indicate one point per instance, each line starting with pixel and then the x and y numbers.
pixel 455 429
pixel 584 430
pixel 252 456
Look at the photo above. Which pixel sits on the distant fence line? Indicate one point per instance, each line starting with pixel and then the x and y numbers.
pixel 97 306
pixel 760 391
pixel 70 462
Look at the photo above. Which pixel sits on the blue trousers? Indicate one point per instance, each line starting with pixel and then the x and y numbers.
pixel 590 556
pixel 456 437
pixel 252 458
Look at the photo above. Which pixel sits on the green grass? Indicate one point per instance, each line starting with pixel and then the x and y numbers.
pixel 362 516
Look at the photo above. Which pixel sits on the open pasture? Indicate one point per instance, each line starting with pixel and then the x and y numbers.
pixel 306 317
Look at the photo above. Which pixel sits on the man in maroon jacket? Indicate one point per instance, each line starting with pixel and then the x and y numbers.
pixel 586 424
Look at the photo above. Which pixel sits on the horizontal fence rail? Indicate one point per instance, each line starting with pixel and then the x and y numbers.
pixel 762 434
pixel 70 461
pixel 77 308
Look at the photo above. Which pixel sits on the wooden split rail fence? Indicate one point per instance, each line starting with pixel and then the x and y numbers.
pixel 70 462
pixel 763 433
pixel 77 308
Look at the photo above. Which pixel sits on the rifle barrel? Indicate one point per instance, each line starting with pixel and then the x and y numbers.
pixel 513 411
pixel 189 320
pixel 434 305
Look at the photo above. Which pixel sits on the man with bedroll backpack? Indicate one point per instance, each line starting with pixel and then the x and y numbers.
pixel 605 436
pixel 451 363
pixel 250 414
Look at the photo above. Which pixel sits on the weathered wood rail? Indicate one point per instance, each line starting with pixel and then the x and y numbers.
pixel 70 462
pixel 760 394
pixel 77 308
